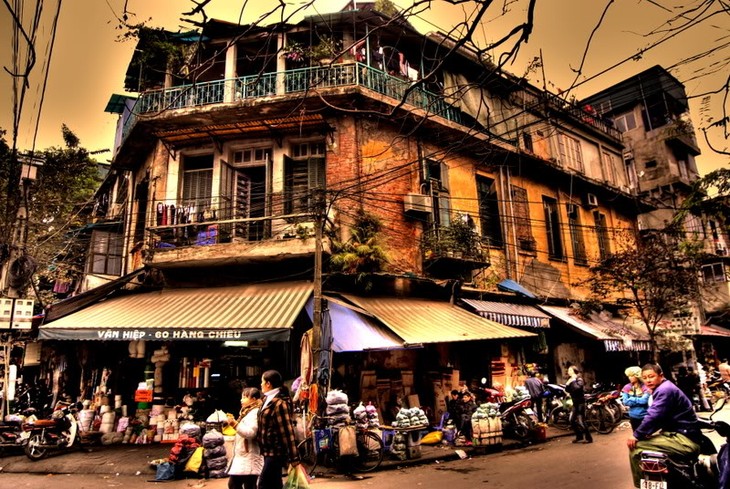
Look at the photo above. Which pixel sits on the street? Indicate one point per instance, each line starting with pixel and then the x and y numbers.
pixel 557 463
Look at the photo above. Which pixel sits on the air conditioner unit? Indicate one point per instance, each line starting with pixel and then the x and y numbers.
pixel 591 200
pixel 417 205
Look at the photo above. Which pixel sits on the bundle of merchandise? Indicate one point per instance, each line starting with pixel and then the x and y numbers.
pixel 337 408
pixel 410 418
pixel 366 416
pixel 517 394
pixel 486 425
pixel 214 454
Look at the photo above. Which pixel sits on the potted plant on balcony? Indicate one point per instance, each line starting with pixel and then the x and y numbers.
pixel 455 241
pixel 325 51
pixel 295 52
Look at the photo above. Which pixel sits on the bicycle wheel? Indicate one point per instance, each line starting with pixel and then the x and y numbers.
pixel 559 419
pixel 369 451
pixel 599 419
pixel 307 455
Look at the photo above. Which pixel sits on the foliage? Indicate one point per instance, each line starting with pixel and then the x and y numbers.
pixel 386 7
pixel 458 239
pixel 157 53
pixel 717 183
pixel 327 47
pixel 55 201
pixel 360 254
pixel 656 274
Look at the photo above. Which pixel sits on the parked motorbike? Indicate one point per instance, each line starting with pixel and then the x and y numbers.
pixel 11 432
pixel 559 406
pixel 59 432
pixel 518 418
pixel 662 471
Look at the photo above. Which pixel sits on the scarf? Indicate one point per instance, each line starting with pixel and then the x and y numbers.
pixel 245 410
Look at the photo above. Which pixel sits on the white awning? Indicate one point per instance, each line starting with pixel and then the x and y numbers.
pixel 510 314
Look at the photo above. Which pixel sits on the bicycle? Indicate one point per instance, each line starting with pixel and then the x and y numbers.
pixel 320 447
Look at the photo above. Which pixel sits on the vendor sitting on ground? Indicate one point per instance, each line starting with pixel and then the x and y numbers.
pixel 465 408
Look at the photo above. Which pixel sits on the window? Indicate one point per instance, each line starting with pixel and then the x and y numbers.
pixel 521 209
pixel 105 254
pixel 527 141
pixel 625 122
pixel 650 164
pixel 304 171
pixel 609 168
pixel 570 152
pixel 197 188
pixel 631 173
pixel 489 211
pixel 576 235
pixel 552 228
pixel 713 273
pixel 252 156
pixel 604 249
pixel 438 178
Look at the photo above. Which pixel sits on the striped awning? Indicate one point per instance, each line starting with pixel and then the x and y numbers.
pixel 510 314
pixel 241 312
pixel 615 335
pixel 420 321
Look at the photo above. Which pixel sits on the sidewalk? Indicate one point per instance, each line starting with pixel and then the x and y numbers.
pixel 135 459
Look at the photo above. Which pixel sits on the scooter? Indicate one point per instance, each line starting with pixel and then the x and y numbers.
pixel 662 471
pixel 60 432
pixel 11 434
pixel 518 418
pixel 559 406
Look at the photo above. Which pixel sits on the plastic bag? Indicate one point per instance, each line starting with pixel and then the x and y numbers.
pixel 297 478
pixel 432 438
pixel 218 416
pixel 165 472
pixel 195 461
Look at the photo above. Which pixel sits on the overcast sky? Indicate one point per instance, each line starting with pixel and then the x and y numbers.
pixel 88 62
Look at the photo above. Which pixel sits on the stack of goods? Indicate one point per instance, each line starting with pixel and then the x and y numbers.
pixel 399 447
pixel 410 418
pixel 337 408
pixel 517 394
pixel 214 454
pixel 185 446
pixel 486 425
pixel 366 417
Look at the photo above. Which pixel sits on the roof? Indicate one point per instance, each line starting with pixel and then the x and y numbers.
pixel 420 321
pixel 249 311
pixel 616 336
pixel 510 314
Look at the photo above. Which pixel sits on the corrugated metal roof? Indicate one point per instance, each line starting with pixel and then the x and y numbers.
pixel 427 321
pixel 510 314
pixel 616 336
pixel 249 311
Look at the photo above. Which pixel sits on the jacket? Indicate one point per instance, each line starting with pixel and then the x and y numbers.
pixel 637 400
pixel 576 390
pixel 276 429
pixel 247 458
pixel 534 386
pixel 670 411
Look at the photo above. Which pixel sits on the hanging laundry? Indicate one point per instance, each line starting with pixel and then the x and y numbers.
pixel 160 213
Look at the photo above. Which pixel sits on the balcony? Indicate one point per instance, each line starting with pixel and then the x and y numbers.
pixel 297 81
pixel 452 252
pixel 204 231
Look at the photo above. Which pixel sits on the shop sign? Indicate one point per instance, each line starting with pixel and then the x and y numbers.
pixel 142 396
pixel 169 334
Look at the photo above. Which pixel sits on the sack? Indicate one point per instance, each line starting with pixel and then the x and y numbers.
pixel 165 472
pixel 347 441
pixel 195 461
pixel 432 438
pixel 297 478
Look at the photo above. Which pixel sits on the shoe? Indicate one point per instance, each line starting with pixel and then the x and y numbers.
pixel 589 441
pixel 468 444
pixel 578 441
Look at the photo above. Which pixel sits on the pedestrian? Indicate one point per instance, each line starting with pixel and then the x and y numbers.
pixel 465 408
pixel 635 396
pixel 247 461
pixel 575 387
pixel 276 431
pixel 536 387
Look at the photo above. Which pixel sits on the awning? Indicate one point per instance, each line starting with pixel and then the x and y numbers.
pixel 508 285
pixel 615 336
pixel 420 321
pixel 510 314
pixel 712 330
pixel 354 331
pixel 241 312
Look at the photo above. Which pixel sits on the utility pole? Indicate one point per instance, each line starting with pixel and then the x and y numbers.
pixel 317 311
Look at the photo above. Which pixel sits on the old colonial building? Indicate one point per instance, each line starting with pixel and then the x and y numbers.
pixel 244 148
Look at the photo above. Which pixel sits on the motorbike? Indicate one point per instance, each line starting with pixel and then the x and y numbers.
pixel 559 406
pixel 11 431
pixel 518 418
pixel 662 471
pixel 59 432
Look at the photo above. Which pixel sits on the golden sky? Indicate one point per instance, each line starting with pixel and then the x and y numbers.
pixel 88 62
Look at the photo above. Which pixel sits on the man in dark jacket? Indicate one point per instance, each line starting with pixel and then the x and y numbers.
pixel 671 412
pixel 575 387
pixel 535 387
pixel 275 431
